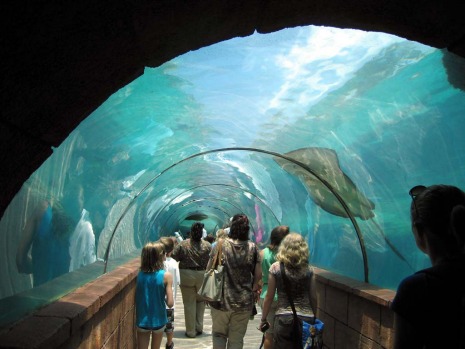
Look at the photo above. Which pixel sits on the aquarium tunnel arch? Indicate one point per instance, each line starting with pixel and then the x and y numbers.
pixel 318 128
pixel 307 172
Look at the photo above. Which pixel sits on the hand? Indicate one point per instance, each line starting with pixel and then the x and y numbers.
pixel 264 326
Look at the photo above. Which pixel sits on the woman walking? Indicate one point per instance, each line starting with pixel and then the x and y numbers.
pixel 153 288
pixel 192 255
pixel 242 273
pixel 268 257
pixel 293 254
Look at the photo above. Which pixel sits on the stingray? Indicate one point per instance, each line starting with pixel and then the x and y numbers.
pixel 196 217
pixel 324 163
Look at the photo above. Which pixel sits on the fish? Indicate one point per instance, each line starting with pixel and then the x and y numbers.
pixel 324 162
pixel 196 217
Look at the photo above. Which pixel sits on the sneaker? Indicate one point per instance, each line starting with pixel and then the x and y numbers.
pixel 171 346
pixel 198 333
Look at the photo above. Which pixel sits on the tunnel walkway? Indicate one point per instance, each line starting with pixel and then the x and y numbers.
pixel 252 338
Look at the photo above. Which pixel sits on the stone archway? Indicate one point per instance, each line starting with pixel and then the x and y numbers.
pixel 61 60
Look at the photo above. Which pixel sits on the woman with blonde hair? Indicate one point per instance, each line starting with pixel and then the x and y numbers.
pixel 293 253
pixel 153 288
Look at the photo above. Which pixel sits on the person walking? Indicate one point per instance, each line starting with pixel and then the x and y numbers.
pixel 242 273
pixel 153 289
pixel 170 265
pixel 268 257
pixel 192 255
pixel 293 253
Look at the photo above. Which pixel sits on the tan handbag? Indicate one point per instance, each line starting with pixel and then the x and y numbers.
pixel 212 285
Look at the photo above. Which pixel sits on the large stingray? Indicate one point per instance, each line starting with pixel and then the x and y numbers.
pixel 325 164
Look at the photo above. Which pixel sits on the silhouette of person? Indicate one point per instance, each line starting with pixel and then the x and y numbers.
pixel 82 240
pixel 429 305
pixel 46 236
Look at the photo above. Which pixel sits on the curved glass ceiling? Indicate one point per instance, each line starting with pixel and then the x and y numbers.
pixel 321 129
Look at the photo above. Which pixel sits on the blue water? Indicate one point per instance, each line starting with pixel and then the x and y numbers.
pixel 382 103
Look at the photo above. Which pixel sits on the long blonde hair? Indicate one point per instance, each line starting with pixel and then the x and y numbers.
pixel 151 258
pixel 293 251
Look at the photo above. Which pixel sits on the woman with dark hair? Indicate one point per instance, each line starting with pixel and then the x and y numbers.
pixel 242 272
pixel 430 305
pixel 268 257
pixel 192 255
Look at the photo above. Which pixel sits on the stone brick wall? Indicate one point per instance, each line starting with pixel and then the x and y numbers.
pixel 101 315
pixel 98 315
pixel 356 314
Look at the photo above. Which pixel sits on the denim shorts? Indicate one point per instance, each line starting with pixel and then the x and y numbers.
pixel 153 329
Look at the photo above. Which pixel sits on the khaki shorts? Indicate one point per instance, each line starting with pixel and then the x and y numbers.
pixel 271 313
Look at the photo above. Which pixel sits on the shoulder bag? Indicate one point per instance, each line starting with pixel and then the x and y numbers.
pixel 307 335
pixel 212 285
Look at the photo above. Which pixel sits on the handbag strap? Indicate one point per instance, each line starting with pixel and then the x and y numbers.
pixel 218 255
pixel 288 292
pixel 286 288
pixel 289 297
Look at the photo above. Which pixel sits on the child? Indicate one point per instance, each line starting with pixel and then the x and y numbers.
pixel 172 267
pixel 153 289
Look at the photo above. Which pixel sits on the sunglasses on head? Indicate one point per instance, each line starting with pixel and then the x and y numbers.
pixel 414 192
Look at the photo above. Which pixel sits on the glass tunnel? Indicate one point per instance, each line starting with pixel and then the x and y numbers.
pixel 321 129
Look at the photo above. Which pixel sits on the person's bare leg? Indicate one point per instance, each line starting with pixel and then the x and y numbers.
pixel 143 339
pixel 156 339
pixel 169 338
pixel 268 343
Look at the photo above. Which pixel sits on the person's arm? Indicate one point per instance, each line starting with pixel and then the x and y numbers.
pixel 257 274
pixel 176 252
pixel 212 256
pixel 168 280
pixel 23 261
pixel 405 336
pixel 260 282
pixel 178 277
pixel 268 298
pixel 312 294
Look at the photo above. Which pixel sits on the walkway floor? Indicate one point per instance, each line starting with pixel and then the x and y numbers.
pixel 252 339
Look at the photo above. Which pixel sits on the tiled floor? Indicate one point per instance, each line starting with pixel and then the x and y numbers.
pixel 252 338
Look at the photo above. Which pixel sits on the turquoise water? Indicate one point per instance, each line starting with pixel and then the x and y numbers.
pixel 153 153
